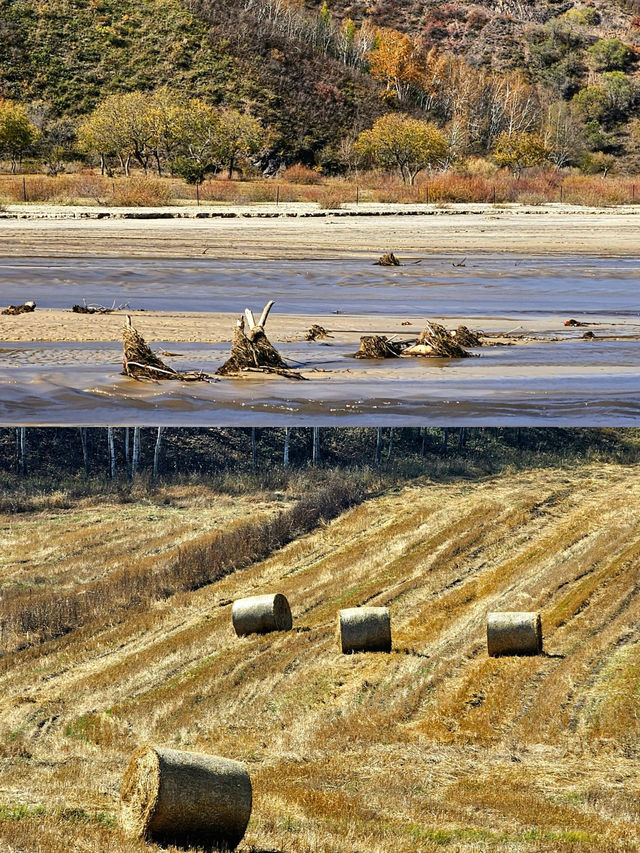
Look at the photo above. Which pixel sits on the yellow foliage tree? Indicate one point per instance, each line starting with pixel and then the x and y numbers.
pixel 397 61
pixel 17 133
pixel 406 144
pixel 516 151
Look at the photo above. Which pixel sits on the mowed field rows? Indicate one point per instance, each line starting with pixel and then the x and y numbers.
pixel 432 746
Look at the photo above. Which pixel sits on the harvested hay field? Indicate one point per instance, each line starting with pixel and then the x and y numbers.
pixel 434 746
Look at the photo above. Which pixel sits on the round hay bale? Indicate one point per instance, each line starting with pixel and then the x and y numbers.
pixel 365 629
pixel 261 614
pixel 514 633
pixel 185 798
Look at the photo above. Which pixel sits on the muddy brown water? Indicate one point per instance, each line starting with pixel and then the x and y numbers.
pixel 568 382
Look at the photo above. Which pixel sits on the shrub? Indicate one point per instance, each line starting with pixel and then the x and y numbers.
pixel 610 55
pixel 299 174
pixel 141 192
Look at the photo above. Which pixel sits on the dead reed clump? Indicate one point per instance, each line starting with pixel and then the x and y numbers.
pixel 261 614
pixel 378 346
pixel 299 174
pixel 514 633
pixel 141 192
pixel 436 341
pixel 364 629
pixel 185 798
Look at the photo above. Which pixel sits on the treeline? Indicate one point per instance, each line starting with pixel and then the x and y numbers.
pixel 121 453
pixel 574 104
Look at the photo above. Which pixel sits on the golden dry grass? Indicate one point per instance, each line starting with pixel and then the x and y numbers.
pixel 434 746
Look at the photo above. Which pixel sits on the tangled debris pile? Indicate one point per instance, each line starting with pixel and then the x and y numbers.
pixel 140 362
pixel 435 340
pixel 379 346
pixel 387 260
pixel 13 310
pixel 317 333
pixel 252 351
pixel 465 337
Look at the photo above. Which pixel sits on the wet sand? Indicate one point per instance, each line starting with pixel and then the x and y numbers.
pixel 302 232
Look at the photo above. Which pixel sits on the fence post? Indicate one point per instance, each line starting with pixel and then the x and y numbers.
pixel 357 194
pixel 561 194
pixel 24 189
pixel 198 193
pixel 277 195
pixel 633 192
pixel 427 195
pixel 494 193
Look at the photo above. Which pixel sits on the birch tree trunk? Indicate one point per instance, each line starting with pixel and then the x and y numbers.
pixel 135 460
pixel 85 449
pixel 22 450
pixel 287 443
pixel 391 434
pixel 315 456
pixel 156 452
pixel 112 453
pixel 378 445
pixel 127 452
pixel 254 450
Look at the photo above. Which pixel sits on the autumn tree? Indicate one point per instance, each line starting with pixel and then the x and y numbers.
pixel 404 143
pixel 239 137
pixel 17 133
pixel 563 134
pixel 397 61
pixel 199 150
pixel 517 151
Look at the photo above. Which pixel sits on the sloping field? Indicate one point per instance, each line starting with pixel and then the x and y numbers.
pixel 434 746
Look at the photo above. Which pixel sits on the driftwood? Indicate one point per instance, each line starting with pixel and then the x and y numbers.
pixel 436 341
pixel 89 309
pixel 140 362
pixel 465 337
pixel 378 346
pixel 13 310
pixel 573 322
pixel 387 260
pixel 252 350
pixel 317 333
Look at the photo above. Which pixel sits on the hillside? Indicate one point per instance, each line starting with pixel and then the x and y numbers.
pixel 432 747
pixel 67 55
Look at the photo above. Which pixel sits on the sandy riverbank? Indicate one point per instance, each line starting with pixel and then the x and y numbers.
pixel 302 232
pixel 55 325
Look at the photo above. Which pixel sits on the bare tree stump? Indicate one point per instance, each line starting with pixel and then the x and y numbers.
pixel 253 351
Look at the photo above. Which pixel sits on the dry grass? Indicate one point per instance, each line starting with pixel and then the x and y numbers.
pixel 301 184
pixel 431 747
